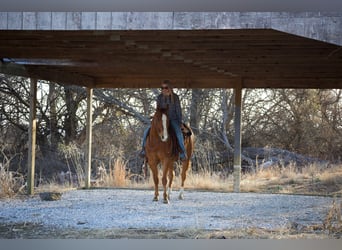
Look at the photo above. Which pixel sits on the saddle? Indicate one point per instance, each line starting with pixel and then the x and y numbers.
pixel 186 130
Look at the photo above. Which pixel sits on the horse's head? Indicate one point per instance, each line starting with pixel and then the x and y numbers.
pixel 160 123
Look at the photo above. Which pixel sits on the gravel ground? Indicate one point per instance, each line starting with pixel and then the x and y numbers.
pixel 134 209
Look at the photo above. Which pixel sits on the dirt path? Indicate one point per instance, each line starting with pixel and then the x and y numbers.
pixel 122 213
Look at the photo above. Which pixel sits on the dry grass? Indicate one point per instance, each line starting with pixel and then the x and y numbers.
pixel 36 231
pixel 312 179
pixel 73 156
pixel 117 175
pixel 205 180
pixel 333 221
pixel 11 183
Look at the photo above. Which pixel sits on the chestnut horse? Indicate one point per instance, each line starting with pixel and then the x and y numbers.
pixel 162 148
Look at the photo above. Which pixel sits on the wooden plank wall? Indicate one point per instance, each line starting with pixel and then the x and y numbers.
pixel 316 25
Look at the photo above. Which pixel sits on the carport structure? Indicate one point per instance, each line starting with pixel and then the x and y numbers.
pixel 194 50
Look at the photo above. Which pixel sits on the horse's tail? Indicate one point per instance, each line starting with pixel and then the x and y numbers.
pixel 189 140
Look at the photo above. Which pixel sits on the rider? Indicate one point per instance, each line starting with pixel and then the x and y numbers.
pixel 168 99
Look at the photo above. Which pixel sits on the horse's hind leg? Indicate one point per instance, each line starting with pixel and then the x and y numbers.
pixel 185 167
pixel 154 169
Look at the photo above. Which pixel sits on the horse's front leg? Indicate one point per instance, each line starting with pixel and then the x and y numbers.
pixel 154 169
pixel 171 175
pixel 165 168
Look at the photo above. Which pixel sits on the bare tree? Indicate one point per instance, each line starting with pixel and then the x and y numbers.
pixel 304 121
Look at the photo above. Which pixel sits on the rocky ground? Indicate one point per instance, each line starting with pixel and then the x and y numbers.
pixel 127 213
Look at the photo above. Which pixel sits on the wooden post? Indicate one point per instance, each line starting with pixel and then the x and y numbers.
pixel 89 136
pixel 32 137
pixel 237 138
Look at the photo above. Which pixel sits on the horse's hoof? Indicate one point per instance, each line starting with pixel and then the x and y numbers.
pixel 155 199
pixel 181 197
pixel 166 201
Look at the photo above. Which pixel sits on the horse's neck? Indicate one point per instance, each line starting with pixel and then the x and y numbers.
pixel 153 131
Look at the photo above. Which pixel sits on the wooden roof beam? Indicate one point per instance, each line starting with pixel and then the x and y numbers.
pixel 53 75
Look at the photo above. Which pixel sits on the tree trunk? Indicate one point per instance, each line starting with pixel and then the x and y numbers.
pixel 53 116
pixel 70 124
pixel 194 109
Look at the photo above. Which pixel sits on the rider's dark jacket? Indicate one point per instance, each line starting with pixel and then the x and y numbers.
pixel 174 108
